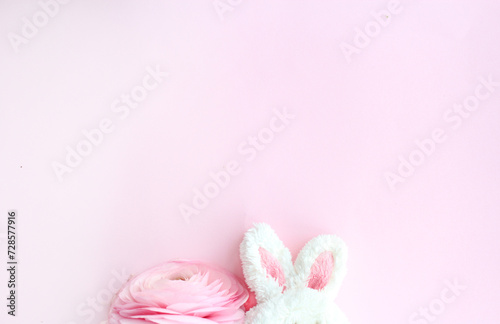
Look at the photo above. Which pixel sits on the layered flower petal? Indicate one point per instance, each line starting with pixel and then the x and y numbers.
pixel 180 292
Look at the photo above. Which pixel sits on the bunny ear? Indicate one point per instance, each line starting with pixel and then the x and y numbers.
pixel 267 263
pixel 321 265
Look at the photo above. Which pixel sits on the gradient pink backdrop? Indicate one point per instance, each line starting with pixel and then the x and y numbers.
pixel 324 173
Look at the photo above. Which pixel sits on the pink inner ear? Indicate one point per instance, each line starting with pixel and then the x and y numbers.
pixel 321 271
pixel 272 266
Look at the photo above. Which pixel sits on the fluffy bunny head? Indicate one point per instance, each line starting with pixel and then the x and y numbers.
pixel 287 293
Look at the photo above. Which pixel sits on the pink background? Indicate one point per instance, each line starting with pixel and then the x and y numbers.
pixel 324 173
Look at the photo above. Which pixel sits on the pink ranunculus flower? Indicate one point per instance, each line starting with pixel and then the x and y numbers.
pixel 180 292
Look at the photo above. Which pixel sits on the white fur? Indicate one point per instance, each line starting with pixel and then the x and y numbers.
pixel 298 304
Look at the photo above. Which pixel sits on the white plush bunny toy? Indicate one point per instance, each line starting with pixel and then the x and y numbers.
pixel 287 293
